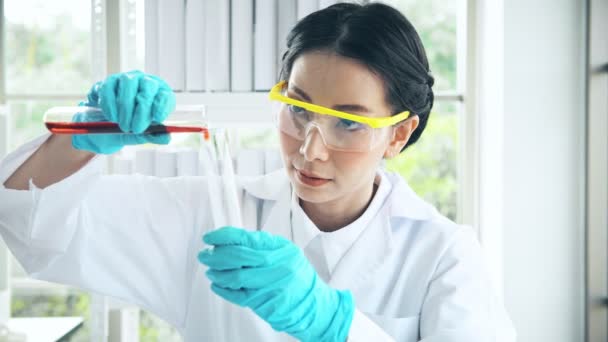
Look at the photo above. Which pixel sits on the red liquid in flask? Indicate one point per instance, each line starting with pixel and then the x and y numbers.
pixel 111 127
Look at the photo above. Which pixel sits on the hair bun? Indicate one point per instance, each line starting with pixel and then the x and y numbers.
pixel 431 79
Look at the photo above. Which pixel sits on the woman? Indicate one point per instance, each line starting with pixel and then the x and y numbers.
pixel 337 248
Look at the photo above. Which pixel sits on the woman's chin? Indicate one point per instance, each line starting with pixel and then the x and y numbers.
pixel 313 194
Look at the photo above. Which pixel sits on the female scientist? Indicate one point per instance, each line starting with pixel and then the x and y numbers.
pixel 336 249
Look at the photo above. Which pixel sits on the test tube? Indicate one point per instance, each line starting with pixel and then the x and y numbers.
pixel 91 120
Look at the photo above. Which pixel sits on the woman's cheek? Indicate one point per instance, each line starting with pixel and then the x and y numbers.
pixel 289 146
pixel 354 168
pixel 350 165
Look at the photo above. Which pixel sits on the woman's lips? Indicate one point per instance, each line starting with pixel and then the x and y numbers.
pixel 310 179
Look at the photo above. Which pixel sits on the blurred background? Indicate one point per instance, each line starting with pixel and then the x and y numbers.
pixel 516 144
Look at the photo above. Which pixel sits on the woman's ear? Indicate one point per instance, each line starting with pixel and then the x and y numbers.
pixel 401 135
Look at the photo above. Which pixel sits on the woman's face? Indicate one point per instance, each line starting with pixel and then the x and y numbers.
pixel 318 173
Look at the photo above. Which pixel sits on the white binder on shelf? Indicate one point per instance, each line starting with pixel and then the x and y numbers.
pixel 286 20
pixel 171 43
pixel 145 161
pixel 121 165
pixel 265 52
pixel 187 163
pixel 241 44
pixel 195 45
pixel 165 163
pixel 305 7
pixel 217 53
pixel 151 32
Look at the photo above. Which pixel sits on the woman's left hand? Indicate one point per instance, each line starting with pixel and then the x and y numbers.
pixel 271 275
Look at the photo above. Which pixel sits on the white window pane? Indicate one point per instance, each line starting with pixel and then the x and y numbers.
pixel 16 269
pixel 48 46
pixel 430 166
pixel 32 302
pixel 258 137
pixel 152 328
pixel 26 119
pixel 436 23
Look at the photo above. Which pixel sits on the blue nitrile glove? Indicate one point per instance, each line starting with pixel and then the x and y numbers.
pixel 132 99
pixel 271 275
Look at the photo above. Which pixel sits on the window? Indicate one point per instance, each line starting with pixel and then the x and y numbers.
pixel 48 47
pixel 596 170
pixel 431 166
pixel 55 50
pixel 48 63
pixel 48 60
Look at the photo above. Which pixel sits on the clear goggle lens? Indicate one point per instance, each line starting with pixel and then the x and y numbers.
pixel 337 133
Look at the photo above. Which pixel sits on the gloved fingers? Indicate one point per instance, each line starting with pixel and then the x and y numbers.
pixel 78 143
pixel 142 116
pixel 79 117
pixel 245 298
pixel 231 257
pixel 107 97
pixel 237 236
pixel 158 138
pixel 97 145
pixel 297 317
pixel 88 116
pixel 163 104
pixel 155 138
pixel 239 297
pixel 268 277
pixel 128 85
pixel 133 139
pixel 283 311
pixel 93 95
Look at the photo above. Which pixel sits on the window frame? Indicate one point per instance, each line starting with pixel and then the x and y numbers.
pixel 9 283
pixel 596 198
pixel 108 29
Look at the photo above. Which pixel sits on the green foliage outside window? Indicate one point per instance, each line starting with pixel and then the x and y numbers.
pixel 56 59
pixel 74 303
pixel 430 165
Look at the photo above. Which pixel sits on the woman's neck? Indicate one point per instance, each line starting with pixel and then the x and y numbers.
pixel 339 213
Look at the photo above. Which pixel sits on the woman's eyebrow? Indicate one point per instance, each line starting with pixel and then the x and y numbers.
pixel 352 108
pixel 343 107
pixel 301 92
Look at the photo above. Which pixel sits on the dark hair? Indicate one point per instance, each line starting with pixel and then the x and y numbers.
pixel 379 37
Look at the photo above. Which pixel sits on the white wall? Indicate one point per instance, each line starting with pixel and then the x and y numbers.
pixel 543 168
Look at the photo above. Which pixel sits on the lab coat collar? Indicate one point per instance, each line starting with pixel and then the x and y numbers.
pixel 364 258
pixel 268 186
pixel 402 201
pixel 360 263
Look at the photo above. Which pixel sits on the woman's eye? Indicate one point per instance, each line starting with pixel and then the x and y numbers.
pixel 350 125
pixel 296 109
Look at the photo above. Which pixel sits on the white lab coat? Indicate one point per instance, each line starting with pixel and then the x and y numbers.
pixel 413 273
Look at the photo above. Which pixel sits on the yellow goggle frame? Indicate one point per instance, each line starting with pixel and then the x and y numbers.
pixel 275 94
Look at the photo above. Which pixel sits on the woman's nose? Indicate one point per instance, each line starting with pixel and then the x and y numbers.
pixel 313 147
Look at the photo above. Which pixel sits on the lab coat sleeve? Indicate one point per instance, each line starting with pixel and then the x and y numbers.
pixel 130 237
pixel 460 304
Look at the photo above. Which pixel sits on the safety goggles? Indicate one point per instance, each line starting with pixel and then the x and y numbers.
pixel 339 130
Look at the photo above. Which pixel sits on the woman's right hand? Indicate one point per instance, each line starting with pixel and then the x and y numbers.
pixel 132 99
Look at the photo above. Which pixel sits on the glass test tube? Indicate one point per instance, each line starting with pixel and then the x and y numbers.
pixel 91 120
